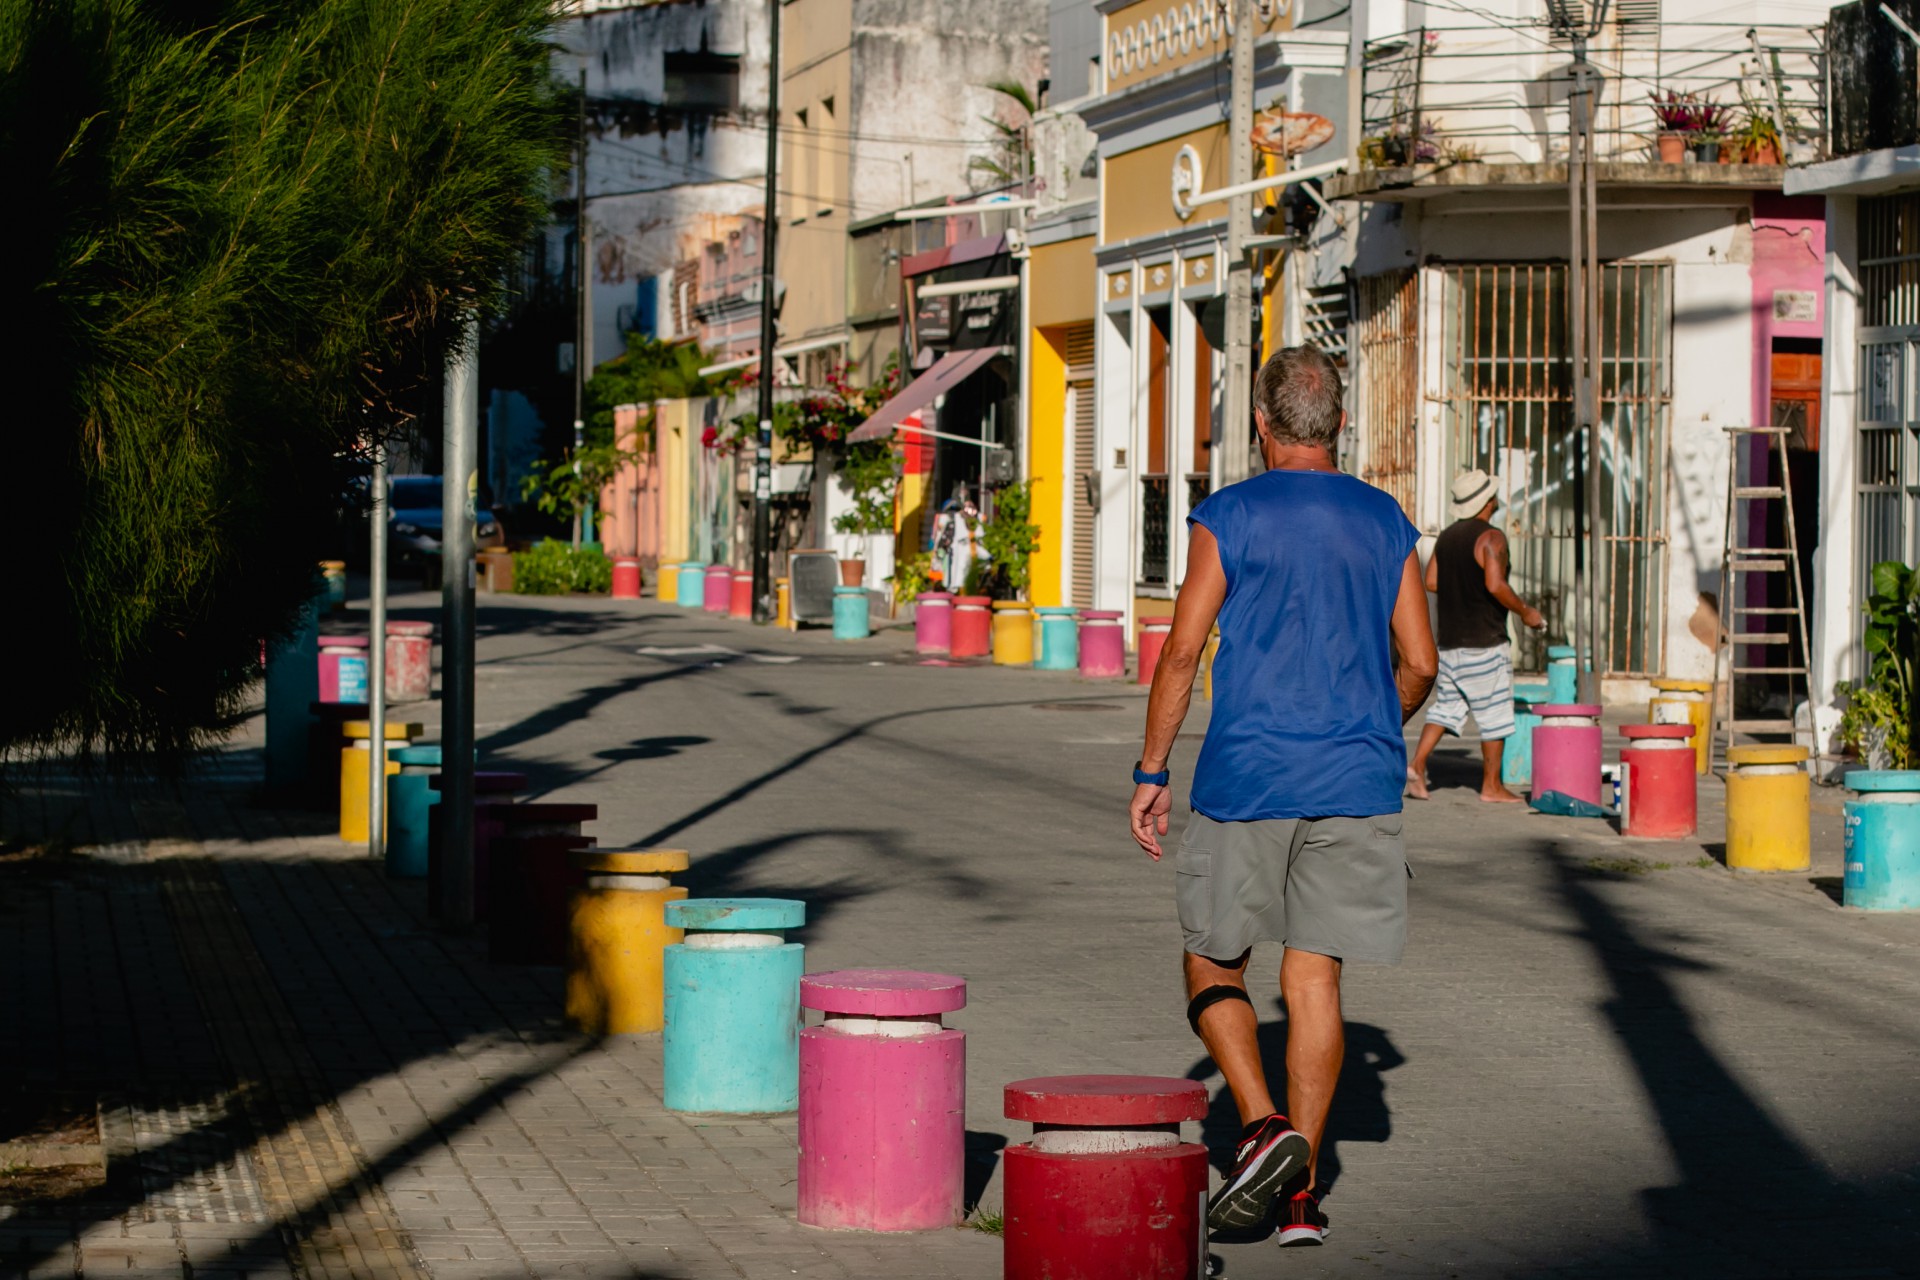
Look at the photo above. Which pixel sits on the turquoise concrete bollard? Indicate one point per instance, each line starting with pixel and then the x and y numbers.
pixel 410 797
pixel 1563 681
pixel 293 684
pixel 1516 762
pixel 1882 860
pixel 732 1038
pixel 690 588
pixel 1059 635
pixel 850 613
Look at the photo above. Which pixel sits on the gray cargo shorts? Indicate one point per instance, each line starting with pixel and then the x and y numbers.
pixel 1335 886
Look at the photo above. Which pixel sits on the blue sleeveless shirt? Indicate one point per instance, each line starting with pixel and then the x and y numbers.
pixel 1306 716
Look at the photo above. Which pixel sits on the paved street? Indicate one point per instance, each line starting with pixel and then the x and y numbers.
pixel 1600 1058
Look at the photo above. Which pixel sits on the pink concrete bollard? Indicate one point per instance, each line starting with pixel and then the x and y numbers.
pixel 343 669
pixel 719 589
pixel 883 1095
pixel 1153 638
pixel 933 622
pixel 1566 751
pixel 1103 650
pixel 409 661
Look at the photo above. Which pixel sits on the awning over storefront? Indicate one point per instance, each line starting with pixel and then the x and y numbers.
pixel 948 372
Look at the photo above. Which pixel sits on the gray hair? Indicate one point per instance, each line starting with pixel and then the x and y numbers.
pixel 1298 392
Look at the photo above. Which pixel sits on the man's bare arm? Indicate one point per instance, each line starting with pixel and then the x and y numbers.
pixel 1433 572
pixel 1413 640
pixel 1201 596
pixel 1490 549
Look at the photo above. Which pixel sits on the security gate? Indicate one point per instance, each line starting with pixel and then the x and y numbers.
pixel 1887 483
pixel 1507 387
pixel 1388 390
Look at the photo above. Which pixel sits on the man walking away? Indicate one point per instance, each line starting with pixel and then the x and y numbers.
pixel 1295 832
pixel 1468 572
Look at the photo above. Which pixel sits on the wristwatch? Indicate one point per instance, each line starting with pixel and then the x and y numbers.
pixel 1159 779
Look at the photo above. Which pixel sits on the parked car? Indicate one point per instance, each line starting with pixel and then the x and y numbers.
pixel 413 520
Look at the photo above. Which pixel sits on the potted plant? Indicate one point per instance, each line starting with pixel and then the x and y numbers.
pixel 870 476
pixel 1759 137
pixel 1675 114
pixel 1877 721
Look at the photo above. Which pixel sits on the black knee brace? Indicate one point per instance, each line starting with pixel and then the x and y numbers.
pixel 1209 998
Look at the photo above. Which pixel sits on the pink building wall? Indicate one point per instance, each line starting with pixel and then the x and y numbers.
pixel 631 504
pixel 1789 253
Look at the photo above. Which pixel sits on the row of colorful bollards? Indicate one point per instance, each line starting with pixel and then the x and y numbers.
pixel 880 1082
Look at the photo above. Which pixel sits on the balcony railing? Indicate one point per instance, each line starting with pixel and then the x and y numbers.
pixel 1457 95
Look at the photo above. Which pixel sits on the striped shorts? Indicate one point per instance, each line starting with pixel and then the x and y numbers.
pixel 1478 681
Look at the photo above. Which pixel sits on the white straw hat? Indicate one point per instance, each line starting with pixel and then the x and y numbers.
pixel 1470 492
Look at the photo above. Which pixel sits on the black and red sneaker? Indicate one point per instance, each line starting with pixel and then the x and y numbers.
pixel 1301 1220
pixel 1270 1153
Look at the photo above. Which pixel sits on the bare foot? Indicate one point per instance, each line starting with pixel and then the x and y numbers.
pixel 1500 795
pixel 1417 786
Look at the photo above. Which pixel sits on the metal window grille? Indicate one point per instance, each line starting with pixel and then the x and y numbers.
pixel 1508 395
pixel 1388 337
pixel 1154 530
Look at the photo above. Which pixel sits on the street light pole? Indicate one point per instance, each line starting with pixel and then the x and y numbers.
pixel 582 305
pixel 460 449
pixel 763 602
pixel 1236 458
pixel 377 662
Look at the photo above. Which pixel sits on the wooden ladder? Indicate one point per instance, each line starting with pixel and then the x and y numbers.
pixel 1760 630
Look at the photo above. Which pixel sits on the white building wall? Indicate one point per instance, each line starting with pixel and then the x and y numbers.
pixel 1832 624
pixel 1115 375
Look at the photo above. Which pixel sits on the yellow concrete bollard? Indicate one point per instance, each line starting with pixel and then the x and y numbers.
pixel 619 939
pixel 782 603
pixel 1206 663
pixel 356 766
pixel 1685 702
pixel 666 582
pixel 1012 633
pixel 1768 801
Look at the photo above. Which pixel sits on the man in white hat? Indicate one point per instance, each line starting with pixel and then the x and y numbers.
pixel 1468 573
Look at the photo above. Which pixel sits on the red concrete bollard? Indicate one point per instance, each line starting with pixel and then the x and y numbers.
pixel 1662 800
pixel 532 880
pixel 488 786
pixel 740 604
pixel 971 635
pixel 626 577
pixel 1153 638
pixel 717 589
pixel 883 1102
pixel 1105 1188
pixel 409 661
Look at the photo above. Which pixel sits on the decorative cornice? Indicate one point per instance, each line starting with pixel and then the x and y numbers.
pixel 1071 222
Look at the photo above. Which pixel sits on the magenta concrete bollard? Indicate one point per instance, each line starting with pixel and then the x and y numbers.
pixel 1153 638
pixel 409 661
pixel 1103 649
pixel 343 669
pixel 1566 751
pixel 883 1095
pixel 719 589
pixel 933 622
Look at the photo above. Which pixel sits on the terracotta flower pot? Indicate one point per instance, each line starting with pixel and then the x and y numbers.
pixel 1762 153
pixel 1673 147
pixel 853 573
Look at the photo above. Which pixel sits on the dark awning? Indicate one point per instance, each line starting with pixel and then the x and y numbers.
pixel 948 372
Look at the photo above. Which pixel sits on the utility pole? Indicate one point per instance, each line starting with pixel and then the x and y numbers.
pixel 763 602
pixel 1583 346
pixel 581 305
pixel 1236 454
pixel 460 427
pixel 377 662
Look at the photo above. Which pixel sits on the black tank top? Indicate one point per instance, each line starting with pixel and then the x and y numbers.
pixel 1470 618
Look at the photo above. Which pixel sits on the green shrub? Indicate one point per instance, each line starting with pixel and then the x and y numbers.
pixel 1877 719
pixel 556 569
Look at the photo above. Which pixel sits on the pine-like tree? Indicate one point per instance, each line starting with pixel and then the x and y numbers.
pixel 244 231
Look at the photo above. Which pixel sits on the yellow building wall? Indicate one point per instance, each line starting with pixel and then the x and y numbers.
pixel 816 49
pixel 1061 283
pixel 1047 463
pixel 670 435
pixel 1136 198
